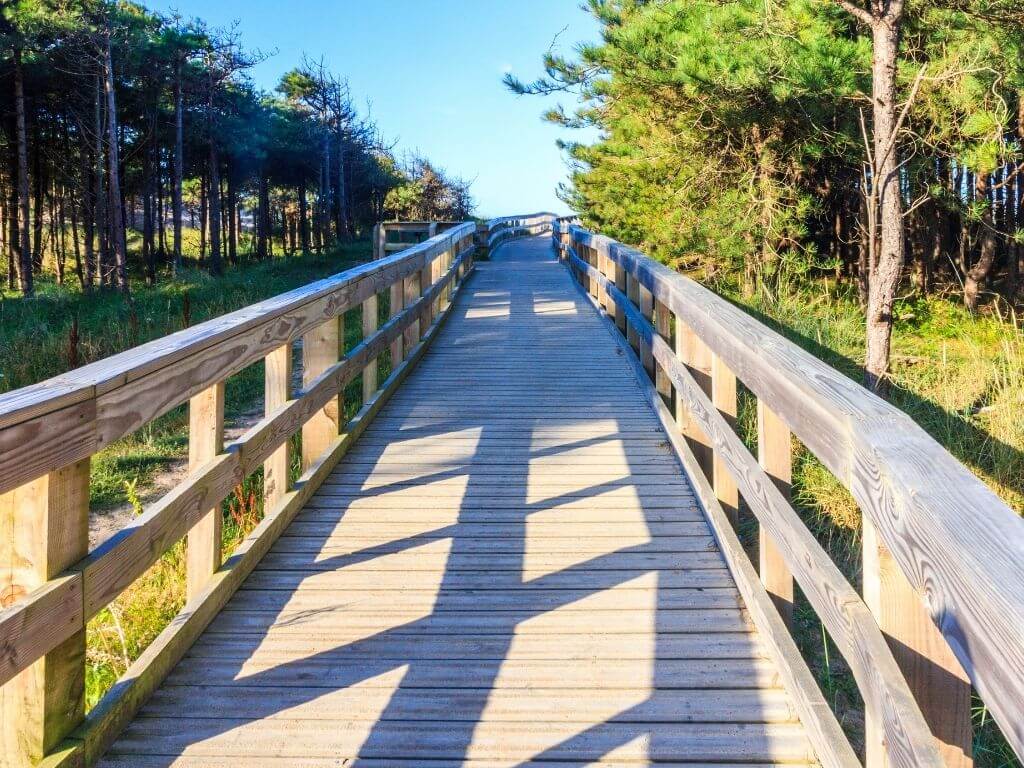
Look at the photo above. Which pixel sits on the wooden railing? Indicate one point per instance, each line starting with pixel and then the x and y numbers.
pixel 943 578
pixel 394 236
pixel 500 230
pixel 52 585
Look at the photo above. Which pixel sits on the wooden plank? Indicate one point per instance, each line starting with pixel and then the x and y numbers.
pixel 936 678
pixel 69 418
pixel 696 356
pixel 842 612
pixel 205 441
pixel 45 530
pixel 830 743
pixel 913 491
pixel 369 327
pixel 724 396
pixel 775 455
pixel 277 392
pixel 438 704
pixel 321 349
pixel 397 303
pixel 511 742
pixel 115 710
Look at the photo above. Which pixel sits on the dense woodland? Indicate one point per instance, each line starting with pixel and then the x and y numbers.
pixel 121 131
pixel 879 142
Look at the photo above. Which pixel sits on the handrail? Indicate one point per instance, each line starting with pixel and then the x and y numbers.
pixel 934 552
pixel 504 228
pixel 49 431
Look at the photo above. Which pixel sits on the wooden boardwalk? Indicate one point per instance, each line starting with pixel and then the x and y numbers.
pixel 509 568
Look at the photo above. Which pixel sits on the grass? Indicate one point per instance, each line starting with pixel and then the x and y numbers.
pixel 959 377
pixel 61 329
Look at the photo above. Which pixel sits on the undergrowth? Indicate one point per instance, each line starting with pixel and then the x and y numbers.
pixel 961 378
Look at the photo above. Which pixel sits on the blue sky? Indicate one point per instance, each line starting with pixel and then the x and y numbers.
pixel 431 72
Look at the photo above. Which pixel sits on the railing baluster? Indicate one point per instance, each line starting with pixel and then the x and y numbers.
pixel 46 529
pixel 412 292
pixel 369 327
pixel 723 395
pixel 935 677
pixel 205 441
pixel 397 303
pixel 663 325
pixel 277 391
pixel 321 348
pixel 696 356
pixel 775 454
pixel 645 301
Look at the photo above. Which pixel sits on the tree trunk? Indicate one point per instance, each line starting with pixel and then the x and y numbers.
pixel 232 219
pixel 119 247
pixel 303 218
pixel 213 198
pixel 25 224
pixel 886 272
pixel 13 212
pixel 38 186
pixel 262 216
pixel 989 247
pixel 148 212
pixel 179 163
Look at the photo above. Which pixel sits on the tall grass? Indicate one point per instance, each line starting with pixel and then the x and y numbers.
pixel 961 378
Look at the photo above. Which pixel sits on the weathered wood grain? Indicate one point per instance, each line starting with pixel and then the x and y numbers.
pixel 911 489
pixel 205 441
pixel 843 613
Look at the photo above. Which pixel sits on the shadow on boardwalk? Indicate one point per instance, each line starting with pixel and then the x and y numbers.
pixel 509 568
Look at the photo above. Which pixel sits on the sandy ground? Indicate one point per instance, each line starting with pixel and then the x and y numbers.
pixel 104 524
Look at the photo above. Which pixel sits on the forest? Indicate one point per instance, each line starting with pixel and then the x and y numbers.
pixel 789 140
pixel 134 144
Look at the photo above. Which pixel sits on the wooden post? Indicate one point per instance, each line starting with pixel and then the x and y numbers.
pixel 397 302
pixel 935 677
pixel 205 441
pixel 412 291
pixel 775 454
pixel 645 300
pixel 723 395
pixel 380 236
pixel 695 354
pixel 369 328
pixel 663 325
pixel 321 348
pixel 620 283
pixel 482 235
pixel 45 530
pixel 277 391
pixel 633 294
pixel 426 280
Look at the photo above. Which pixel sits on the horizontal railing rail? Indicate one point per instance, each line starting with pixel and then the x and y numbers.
pixel 53 586
pixel 943 573
pixel 504 228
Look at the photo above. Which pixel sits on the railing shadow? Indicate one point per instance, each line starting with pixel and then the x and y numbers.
pixel 460 672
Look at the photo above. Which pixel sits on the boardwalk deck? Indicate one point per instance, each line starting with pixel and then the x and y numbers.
pixel 510 568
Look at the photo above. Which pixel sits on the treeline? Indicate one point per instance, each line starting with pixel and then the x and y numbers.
pixel 879 142
pixel 123 129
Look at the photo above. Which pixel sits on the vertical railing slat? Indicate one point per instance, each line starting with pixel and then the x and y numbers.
pixel 369 328
pixel 277 391
pixel 45 529
pixel 321 348
pixel 775 454
pixel 723 395
pixel 205 441
pixel 933 673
